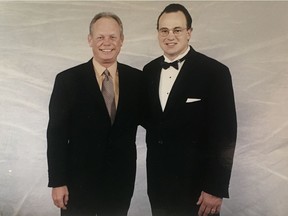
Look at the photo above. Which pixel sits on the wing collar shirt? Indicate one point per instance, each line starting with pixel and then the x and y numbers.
pixel 168 77
pixel 99 69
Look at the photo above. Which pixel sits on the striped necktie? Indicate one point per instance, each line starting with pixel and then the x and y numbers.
pixel 108 94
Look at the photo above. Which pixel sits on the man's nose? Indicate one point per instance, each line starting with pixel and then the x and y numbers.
pixel 170 34
pixel 107 40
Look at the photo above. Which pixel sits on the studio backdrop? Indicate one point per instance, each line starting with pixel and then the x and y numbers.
pixel 39 39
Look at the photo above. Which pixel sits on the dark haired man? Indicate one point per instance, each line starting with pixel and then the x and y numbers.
pixel 191 123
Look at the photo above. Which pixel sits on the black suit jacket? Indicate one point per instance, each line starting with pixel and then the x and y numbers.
pixel 84 150
pixel 193 140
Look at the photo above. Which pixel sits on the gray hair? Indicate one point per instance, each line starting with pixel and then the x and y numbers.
pixel 107 15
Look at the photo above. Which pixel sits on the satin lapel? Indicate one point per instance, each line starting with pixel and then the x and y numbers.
pixel 178 90
pixel 154 88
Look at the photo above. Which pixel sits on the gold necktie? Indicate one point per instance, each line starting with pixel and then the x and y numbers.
pixel 108 94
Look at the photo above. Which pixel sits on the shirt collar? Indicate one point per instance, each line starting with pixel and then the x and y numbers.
pixel 100 69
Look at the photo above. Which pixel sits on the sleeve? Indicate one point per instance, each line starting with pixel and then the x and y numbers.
pixel 57 134
pixel 222 132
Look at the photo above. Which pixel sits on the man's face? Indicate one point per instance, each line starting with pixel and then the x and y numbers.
pixel 173 45
pixel 106 41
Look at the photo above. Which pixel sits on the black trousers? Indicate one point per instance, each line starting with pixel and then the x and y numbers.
pixel 94 212
pixel 173 210
pixel 110 199
pixel 172 196
pixel 111 205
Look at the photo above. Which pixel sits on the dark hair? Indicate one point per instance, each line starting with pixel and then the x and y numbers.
pixel 175 8
pixel 106 15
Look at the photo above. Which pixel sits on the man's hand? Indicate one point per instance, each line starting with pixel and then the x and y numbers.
pixel 60 196
pixel 209 204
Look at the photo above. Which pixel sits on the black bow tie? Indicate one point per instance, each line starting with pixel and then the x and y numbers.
pixel 166 65
pixel 174 64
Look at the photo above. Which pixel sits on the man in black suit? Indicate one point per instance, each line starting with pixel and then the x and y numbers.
pixel 91 146
pixel 191 123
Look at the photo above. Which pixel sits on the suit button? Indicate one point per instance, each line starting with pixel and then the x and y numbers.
pixel 160 142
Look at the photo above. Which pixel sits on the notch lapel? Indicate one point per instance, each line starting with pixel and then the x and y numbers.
pixel 93 89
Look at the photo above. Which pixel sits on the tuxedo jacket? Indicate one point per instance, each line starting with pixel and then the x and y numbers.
pixel 83 147
pixel 192 141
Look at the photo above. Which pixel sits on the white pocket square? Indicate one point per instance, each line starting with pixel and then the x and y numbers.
pixel 191 100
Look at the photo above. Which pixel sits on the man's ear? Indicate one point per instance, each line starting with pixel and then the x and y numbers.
pixel 189 32
pixel 89 38
pixel 122 40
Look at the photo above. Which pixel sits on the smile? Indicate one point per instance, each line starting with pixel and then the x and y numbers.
pixel 106 50
pixel 171 44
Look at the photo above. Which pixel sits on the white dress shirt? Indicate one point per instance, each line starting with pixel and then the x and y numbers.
pixel 168 77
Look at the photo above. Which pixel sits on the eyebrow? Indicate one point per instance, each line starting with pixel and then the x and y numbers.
pixel 171 28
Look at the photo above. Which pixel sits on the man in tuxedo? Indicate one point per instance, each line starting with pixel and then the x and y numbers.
pixel 191 123
pixel 94 112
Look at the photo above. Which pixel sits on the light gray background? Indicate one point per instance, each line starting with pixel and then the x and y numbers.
pixel 40 39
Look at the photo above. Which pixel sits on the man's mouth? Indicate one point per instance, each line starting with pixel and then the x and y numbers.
pixel 170 44
pixel 106 50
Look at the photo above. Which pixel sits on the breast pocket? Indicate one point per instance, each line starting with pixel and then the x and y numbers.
pixel 193 108
pixel 193 100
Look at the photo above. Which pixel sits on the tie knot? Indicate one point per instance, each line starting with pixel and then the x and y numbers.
pixel 174 64
pixel 106 73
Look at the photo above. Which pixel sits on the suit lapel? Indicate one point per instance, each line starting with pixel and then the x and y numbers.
pixel 177 93
pixel 154 88
pixel 93 89
pixel 124 87
pixel 122 83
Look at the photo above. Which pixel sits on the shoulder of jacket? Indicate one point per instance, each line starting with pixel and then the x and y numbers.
pixel 74 71
pixel 126 67
pixel 153 63
pixel 209 61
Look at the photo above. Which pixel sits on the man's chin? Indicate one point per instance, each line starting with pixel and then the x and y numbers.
pixel 109 60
